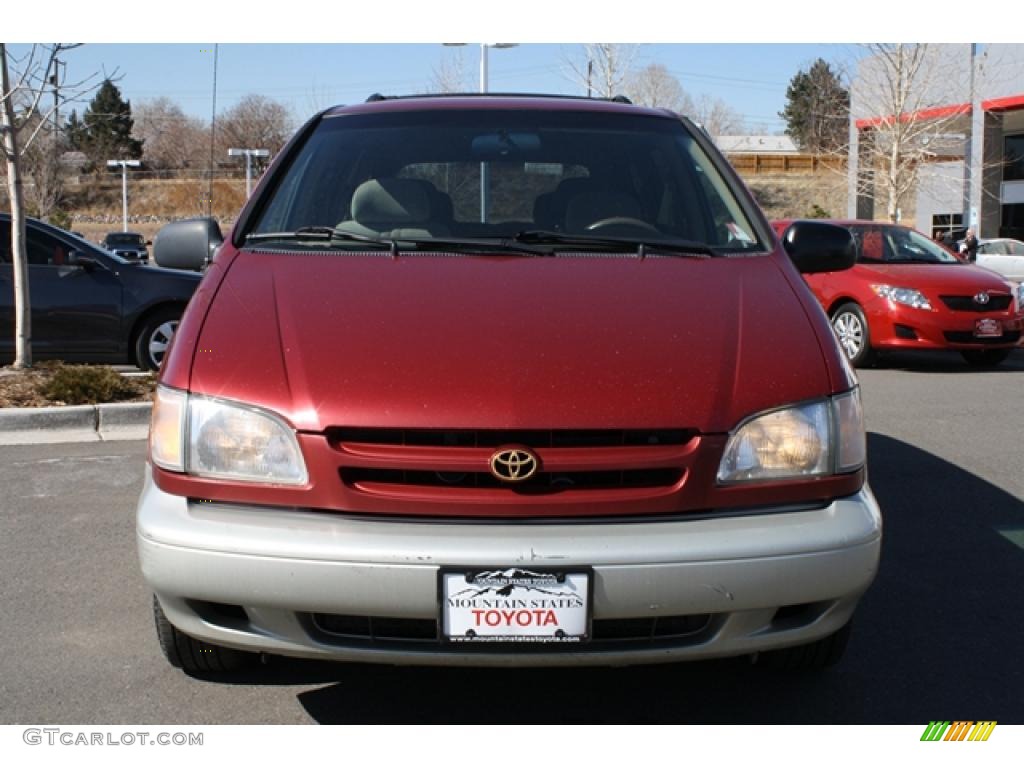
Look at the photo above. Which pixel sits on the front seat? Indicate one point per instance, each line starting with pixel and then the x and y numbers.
pixel 393 207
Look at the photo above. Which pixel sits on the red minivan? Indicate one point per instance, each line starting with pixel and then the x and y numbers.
pixel 908 292
pixel 495 380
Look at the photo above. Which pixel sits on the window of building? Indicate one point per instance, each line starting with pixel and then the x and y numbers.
pixel 1013 156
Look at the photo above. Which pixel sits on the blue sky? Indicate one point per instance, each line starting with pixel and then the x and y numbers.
pixel 312 53
pixel 751 78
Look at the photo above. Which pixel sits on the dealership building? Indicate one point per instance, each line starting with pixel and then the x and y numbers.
pixel 967 110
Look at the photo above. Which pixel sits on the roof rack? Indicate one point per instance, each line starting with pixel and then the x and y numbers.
pixel 619 99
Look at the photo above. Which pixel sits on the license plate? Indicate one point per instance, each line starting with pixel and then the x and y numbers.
pixel 515 605
pixel 987 328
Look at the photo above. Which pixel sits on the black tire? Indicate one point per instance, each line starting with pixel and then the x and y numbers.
pixel 853 334
pixel 195 657
pixel 817 655
pixel 985 358
pixel 154 335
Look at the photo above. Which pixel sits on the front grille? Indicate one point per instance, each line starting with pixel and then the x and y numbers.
pixel 967 337
pixel 374 630
pixel 492 438
pixel 996 303
pixel 453 467
pixel 542 482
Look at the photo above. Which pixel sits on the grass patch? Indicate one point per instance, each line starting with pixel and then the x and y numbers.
pixel 53 383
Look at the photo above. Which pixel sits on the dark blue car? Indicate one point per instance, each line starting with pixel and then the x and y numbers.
pixel 90 305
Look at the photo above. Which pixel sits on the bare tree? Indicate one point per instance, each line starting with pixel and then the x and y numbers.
pixel 450 74
pixel 903 93
pixel 42 167
pixel 602 68
pixel 255 122
pixel 171 139
pixel 23 81
pixel 655 86
pixel 717 117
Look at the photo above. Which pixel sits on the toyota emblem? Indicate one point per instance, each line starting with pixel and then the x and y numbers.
pixel 513 465
pixel 981 298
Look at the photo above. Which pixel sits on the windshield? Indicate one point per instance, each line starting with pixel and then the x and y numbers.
pixel 124 238
pixel 900 245
pixel 496 173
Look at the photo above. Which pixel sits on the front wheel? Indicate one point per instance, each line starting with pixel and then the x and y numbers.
pixel 985 358
pixel 851 328
pixel 195 657
pixel 154 337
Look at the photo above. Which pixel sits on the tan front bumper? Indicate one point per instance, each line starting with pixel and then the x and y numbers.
pixel 282 565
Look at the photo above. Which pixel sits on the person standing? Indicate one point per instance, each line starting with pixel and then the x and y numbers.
pixel 969 246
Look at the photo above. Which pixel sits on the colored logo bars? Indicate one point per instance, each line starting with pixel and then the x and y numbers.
pixel 959 730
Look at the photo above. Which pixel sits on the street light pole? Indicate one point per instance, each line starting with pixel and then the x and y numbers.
pixel 125 165
pixel 484 170
pixel 248 154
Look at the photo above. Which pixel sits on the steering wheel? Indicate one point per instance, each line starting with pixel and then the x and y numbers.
pixel 627 222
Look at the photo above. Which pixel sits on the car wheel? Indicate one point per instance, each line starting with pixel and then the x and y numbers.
pixel 817 655
pixel 154 337
pixel 851 328
pixel 195 657
pixel 985 358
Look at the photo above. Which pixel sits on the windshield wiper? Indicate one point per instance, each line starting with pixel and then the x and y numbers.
pixel 395 244
pixel 328 234
pixel 642 246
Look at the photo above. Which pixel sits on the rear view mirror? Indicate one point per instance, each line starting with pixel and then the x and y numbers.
pixel 504 145
pixel 187 244
pixel 814 246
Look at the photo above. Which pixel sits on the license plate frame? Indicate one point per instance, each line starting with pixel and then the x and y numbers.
pixel 515 606
pixel 988 328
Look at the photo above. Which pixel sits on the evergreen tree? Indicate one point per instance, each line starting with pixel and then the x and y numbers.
pixel 817 109
pixel 105 131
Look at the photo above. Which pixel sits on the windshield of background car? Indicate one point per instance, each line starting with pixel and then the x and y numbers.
pixel 494 173
pixel 124 239
pixel 899 245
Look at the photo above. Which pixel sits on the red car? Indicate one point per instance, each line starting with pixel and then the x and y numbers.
pixel 908 292
pixel 497 380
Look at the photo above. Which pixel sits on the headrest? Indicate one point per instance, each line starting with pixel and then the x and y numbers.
pixel 389 203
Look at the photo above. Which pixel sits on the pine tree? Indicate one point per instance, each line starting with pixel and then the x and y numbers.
pixel 817 109
pixel 105 131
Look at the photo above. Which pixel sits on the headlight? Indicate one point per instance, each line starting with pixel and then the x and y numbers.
pixel 820 438
pixel 907 296
pixel 207 437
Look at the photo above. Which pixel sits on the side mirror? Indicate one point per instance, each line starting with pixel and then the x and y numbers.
pixel 83 260
pixel 814 246
pixel 187 244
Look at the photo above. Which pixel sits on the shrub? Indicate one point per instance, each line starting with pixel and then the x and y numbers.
pixel 80 385
pixel 61 219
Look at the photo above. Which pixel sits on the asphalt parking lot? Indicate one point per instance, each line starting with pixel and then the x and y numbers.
pixel 936 637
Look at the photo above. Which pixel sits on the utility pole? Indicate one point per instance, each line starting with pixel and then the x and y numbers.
pixel 213 133
pixel 590 76
pixel 55 82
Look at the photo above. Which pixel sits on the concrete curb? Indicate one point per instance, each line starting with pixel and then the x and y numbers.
pixel 75 423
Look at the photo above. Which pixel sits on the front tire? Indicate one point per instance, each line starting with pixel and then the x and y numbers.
pixel 154 336
pixel 851 329
pixel 985 358
pixel 195 657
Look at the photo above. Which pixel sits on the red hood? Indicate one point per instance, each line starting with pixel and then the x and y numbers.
pixel 508 342
pixel 937 279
